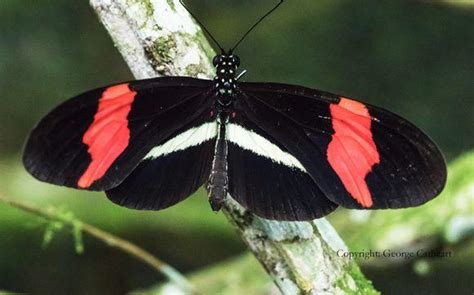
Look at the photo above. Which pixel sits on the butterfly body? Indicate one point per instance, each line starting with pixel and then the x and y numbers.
pixel 225 90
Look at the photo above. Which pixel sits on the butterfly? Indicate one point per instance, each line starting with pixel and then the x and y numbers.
pixel 284 152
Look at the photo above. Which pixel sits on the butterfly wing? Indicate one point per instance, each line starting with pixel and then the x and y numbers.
pixel 359 155
pixel 95 140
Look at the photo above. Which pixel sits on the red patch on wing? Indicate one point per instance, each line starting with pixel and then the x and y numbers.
pixel 352 152
pixel 108 135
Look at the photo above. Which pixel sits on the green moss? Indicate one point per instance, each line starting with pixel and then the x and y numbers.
pixel 149 10
pixel 146 3
pixel 203 44
pixel 171 4
pixel 159 53
pixel 162 48
pixel 193 70
pixel 362 284
pixel 149 7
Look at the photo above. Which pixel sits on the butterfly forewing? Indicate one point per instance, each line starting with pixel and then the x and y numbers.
pixel 360 156
pixel 171 171
pixel 95 140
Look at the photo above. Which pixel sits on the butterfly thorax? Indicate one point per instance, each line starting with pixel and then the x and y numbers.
pixel 225 87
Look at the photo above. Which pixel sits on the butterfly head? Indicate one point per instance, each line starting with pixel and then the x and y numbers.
pixel 227 61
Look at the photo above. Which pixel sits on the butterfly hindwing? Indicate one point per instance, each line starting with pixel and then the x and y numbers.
pixel 95 140
pixel 360 156
pixel 266 179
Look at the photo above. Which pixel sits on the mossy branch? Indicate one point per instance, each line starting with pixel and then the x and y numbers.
pixel 66 219
pixel 158 37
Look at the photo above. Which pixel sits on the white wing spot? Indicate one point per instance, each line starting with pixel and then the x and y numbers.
pixel 191 137
pixel 249 140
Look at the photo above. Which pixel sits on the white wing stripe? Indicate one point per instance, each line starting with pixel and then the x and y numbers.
pixel 191 137
pixel 249 140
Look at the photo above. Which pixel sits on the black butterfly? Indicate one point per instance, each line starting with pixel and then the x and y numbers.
pixel 283 152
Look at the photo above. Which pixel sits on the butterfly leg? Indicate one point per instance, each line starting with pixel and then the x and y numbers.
pixel 218 182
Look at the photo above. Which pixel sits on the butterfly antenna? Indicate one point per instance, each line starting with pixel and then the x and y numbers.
pixel 256 24
pixel 202 26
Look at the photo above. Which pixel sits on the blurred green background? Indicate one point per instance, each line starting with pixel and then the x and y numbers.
pixel 414 58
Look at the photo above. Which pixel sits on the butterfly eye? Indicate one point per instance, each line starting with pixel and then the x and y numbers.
pixel 217 60
pixel 236 60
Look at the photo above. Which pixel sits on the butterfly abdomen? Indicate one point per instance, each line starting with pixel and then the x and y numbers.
pixel 218 182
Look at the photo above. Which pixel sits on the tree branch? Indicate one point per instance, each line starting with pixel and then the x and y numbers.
pixel 111 240
pixel 158 37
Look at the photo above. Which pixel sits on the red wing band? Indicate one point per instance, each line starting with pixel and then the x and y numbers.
pixel 352 151
pixel 108 135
